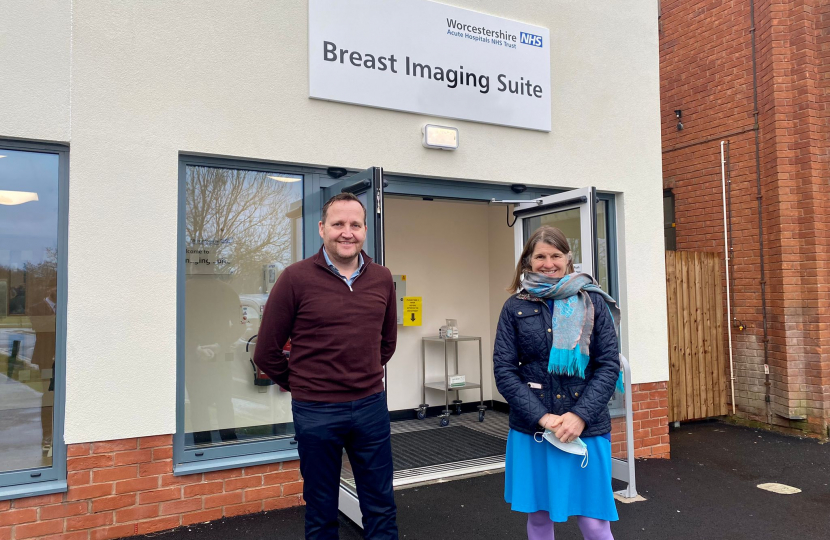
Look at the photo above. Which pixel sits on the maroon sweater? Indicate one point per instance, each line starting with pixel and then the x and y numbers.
pixel 340 338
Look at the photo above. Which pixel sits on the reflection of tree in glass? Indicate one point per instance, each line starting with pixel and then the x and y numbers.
pixel 575 247
pixel 603 263
pixel 30 281
pixel 241 215
pixel 46 270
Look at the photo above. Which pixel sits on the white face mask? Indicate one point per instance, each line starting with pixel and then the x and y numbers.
pixel 576 446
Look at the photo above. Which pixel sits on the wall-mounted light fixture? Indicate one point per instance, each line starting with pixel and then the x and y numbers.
pixel 440 137
pixel 679 114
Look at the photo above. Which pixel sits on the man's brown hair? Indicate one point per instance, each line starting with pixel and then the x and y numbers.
pixel 342 197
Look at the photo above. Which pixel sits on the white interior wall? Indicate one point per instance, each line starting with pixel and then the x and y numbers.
pixel 152 80
pixel 501 268
pixel 447 251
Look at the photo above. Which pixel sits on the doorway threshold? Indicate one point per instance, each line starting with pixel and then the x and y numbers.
pixel 425 452
pixel 447 471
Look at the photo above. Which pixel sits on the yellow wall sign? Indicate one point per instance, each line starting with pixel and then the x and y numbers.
pixel 412 311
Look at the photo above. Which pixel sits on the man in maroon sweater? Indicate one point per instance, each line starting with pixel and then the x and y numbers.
pixel 343 331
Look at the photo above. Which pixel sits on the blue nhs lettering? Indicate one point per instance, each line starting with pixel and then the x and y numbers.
pixel 531 39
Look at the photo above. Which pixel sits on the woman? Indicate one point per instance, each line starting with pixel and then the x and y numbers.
pixel 556 361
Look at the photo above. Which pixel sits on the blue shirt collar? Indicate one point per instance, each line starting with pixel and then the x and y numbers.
pixel 336 271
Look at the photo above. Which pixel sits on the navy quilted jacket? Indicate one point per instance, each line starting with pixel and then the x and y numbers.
pixel 520 356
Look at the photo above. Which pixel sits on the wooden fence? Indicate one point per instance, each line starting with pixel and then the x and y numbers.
pixel 698 375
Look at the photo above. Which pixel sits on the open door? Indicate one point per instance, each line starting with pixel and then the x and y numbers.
pixel 366 185
pixel 574 213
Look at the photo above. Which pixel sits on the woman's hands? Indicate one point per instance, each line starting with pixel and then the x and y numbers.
pixel 567 427
pixel 550 421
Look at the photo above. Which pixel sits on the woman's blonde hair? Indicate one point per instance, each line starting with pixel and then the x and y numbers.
pixel 549 235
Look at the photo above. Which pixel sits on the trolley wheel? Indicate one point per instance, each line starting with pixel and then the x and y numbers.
pixel 481 416
pixel 445 421
pixel 421 414
pixel 457 403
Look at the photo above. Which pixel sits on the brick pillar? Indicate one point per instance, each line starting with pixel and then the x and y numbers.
pixel 794 172
pixel 650 404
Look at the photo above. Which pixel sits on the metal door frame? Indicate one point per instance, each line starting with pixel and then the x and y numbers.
pixel 584 199
pixel 369 181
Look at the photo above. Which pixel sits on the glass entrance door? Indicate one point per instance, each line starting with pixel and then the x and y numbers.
pixel 368 186
pixel 583 217
pixel 574 213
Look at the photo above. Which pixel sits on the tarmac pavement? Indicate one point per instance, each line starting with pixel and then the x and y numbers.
pixel 706 490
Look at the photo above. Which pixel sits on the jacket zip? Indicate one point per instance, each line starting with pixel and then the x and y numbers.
pixel 548 316
pixel 341 278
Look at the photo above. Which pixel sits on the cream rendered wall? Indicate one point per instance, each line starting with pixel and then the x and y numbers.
pixel 35 44
pixel 153 79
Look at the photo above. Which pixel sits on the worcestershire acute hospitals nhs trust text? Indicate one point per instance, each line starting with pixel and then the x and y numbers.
pixel 453 77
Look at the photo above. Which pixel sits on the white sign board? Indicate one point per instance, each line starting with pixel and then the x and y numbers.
pixel 430 58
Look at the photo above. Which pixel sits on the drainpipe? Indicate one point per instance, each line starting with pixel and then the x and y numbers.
pixel 726 239
pixel 735 322
pixel 759 198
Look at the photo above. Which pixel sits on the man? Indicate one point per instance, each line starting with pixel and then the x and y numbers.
pixel 338 308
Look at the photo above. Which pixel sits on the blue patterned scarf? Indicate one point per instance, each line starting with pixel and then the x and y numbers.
pixel 572 319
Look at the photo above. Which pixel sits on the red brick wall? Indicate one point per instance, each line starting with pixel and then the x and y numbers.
pixel 651 423
pixel 126 487
pixel 706 71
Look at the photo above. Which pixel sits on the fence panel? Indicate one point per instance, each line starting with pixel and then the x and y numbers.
pixel 697 363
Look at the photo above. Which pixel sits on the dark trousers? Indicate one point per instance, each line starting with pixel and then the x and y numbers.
pixel 362 428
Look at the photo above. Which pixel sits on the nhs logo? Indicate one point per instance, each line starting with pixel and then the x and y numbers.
pixel 530 39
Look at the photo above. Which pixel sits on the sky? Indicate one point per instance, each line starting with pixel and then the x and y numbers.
pixel 28 229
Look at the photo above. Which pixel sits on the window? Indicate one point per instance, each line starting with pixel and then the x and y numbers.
pixel 242 226
pixel 669 230
pixel 32 318
pixel 603 259
pixel 567 221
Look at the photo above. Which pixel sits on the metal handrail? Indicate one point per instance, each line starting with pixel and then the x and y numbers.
pixel 623 469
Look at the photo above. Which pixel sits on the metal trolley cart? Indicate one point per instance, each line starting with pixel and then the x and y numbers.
pixel 444 385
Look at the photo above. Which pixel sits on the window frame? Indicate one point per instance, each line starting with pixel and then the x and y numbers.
pixel 612 241
pixel 210 458
pixel 24 483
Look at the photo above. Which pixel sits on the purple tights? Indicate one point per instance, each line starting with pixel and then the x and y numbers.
pixel 540 527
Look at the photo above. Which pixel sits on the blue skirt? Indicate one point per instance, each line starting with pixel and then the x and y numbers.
pixel 539 476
